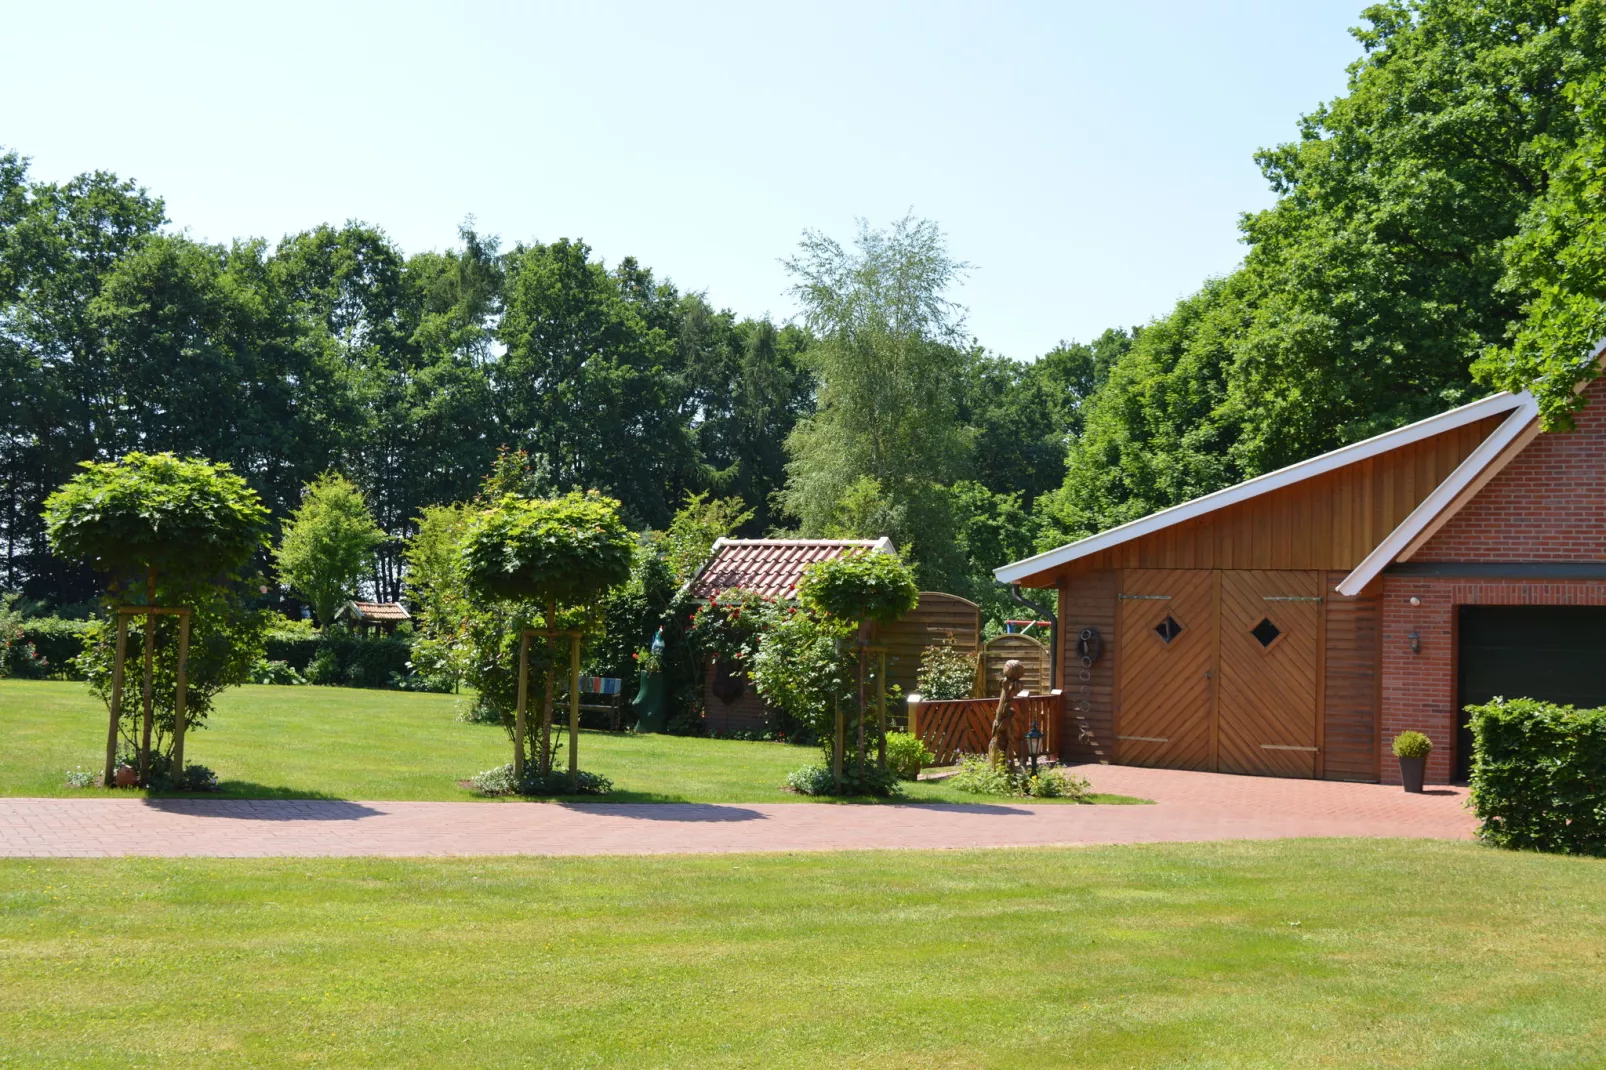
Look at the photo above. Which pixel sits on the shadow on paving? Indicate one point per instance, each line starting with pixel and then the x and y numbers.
pixel 667 812
pixel 266 809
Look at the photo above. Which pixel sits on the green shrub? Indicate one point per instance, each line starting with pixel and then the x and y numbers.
pixel 1058 784
pixel 225 645
pixel 1539 776
pixel 946 672
pixel 42 647
pixel 294 642
pixel 977 776
pixel 856 780
pixel 810 780
pixel 907 755
pixel 275 672
pixel 501 781
pixel 345 660
pixel 1412 745
pixel 859 586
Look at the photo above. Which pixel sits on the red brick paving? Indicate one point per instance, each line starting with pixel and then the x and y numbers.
pixel 1189 807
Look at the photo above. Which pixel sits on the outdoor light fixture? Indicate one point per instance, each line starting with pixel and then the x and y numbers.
pixel 1416 643
pixel 1034 745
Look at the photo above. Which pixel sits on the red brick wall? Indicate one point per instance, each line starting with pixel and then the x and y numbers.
pixel 746 714
pixel 1548 504
pixel 1419 690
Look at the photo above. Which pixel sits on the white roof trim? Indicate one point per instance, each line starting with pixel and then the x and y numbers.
pixel 1445 495
pixel 1493 405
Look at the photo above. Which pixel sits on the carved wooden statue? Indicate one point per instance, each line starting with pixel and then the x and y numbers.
pixel 1002 744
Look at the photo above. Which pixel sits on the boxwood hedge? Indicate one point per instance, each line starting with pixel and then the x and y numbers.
pixel 1539 776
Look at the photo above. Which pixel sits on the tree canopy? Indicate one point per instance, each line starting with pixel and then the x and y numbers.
pixel 327 544
pixel 567 550
pixel 186 520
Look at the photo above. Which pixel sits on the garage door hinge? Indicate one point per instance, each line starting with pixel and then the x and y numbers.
pixel 1293 598
pixel 1145 597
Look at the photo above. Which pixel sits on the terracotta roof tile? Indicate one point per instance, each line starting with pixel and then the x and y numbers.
pixel 769 566
pixel 379 611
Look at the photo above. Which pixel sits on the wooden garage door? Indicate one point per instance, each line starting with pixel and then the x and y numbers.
pixel 1166 651
pixel 1267 707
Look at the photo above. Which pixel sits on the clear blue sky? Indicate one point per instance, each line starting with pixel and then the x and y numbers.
pixel 1089 159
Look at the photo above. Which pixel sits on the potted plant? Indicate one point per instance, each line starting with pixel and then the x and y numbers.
pixel 1412 749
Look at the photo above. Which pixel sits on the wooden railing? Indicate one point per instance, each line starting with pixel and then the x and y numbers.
pixel 964 726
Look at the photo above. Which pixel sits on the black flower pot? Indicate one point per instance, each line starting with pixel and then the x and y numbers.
pixel 1411 772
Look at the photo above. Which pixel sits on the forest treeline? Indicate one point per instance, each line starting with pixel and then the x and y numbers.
pixel 1439 231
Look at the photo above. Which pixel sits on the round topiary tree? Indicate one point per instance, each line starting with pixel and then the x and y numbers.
pixel 864 588
pixel 566 551
pixel 146 516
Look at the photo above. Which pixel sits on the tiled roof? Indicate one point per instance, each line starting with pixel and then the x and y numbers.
pixel 770 566
pixel 377 611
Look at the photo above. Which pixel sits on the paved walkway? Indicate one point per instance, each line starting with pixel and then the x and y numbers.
pixel 1189 807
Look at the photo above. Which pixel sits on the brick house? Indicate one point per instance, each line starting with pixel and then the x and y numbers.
pixel 1292 625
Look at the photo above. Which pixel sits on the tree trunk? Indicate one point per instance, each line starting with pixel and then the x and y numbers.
pixel 150 673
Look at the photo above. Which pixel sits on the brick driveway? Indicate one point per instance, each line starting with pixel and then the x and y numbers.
pixel 1189 807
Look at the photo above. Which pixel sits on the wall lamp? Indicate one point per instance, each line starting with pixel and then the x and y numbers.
pixel 1416 643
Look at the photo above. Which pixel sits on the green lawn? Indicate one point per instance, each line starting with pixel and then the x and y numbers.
pixel 335 742
pixel 1281 954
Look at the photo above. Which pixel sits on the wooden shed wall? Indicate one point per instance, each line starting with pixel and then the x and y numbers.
pixel 1350 700
pixel 1331 521
pixel 1087 600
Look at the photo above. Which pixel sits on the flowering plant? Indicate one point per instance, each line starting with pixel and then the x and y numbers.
pixel 728 625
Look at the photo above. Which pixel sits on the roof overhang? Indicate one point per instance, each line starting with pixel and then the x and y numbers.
pixel 1494 405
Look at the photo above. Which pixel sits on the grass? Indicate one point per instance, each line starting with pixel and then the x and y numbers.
pixel 331 742
pixel 1268 954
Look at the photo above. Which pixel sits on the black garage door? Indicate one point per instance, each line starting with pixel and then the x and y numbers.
pixel 1553 653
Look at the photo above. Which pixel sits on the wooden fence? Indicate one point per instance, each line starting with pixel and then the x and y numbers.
pixel 963 726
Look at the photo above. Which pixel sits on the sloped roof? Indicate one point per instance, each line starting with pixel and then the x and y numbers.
pixel 770 567
pixel 375 612
pixel 1517 404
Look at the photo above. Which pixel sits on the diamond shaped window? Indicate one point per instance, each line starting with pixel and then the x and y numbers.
pixel 1168 629
pixel 1265 632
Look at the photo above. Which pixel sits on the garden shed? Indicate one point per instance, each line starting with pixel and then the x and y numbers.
pixel 380 616
pixel 1293 624
pixel 773 567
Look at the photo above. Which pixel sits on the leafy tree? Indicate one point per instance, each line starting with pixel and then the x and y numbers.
pixel 1375 279
pixel 188 524
pixel 862 588
pixel 1559 257
pixel 328 544
pixel 587 377
pixel 889 364
pixel 696 526
pixel 569 550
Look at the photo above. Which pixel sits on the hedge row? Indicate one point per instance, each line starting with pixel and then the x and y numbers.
pixel 56 642
pixel 1539 776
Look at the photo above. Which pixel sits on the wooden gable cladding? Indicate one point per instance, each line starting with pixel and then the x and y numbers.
pixel 1328 522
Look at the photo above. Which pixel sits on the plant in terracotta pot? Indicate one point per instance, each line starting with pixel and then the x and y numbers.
pixel 1412 749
